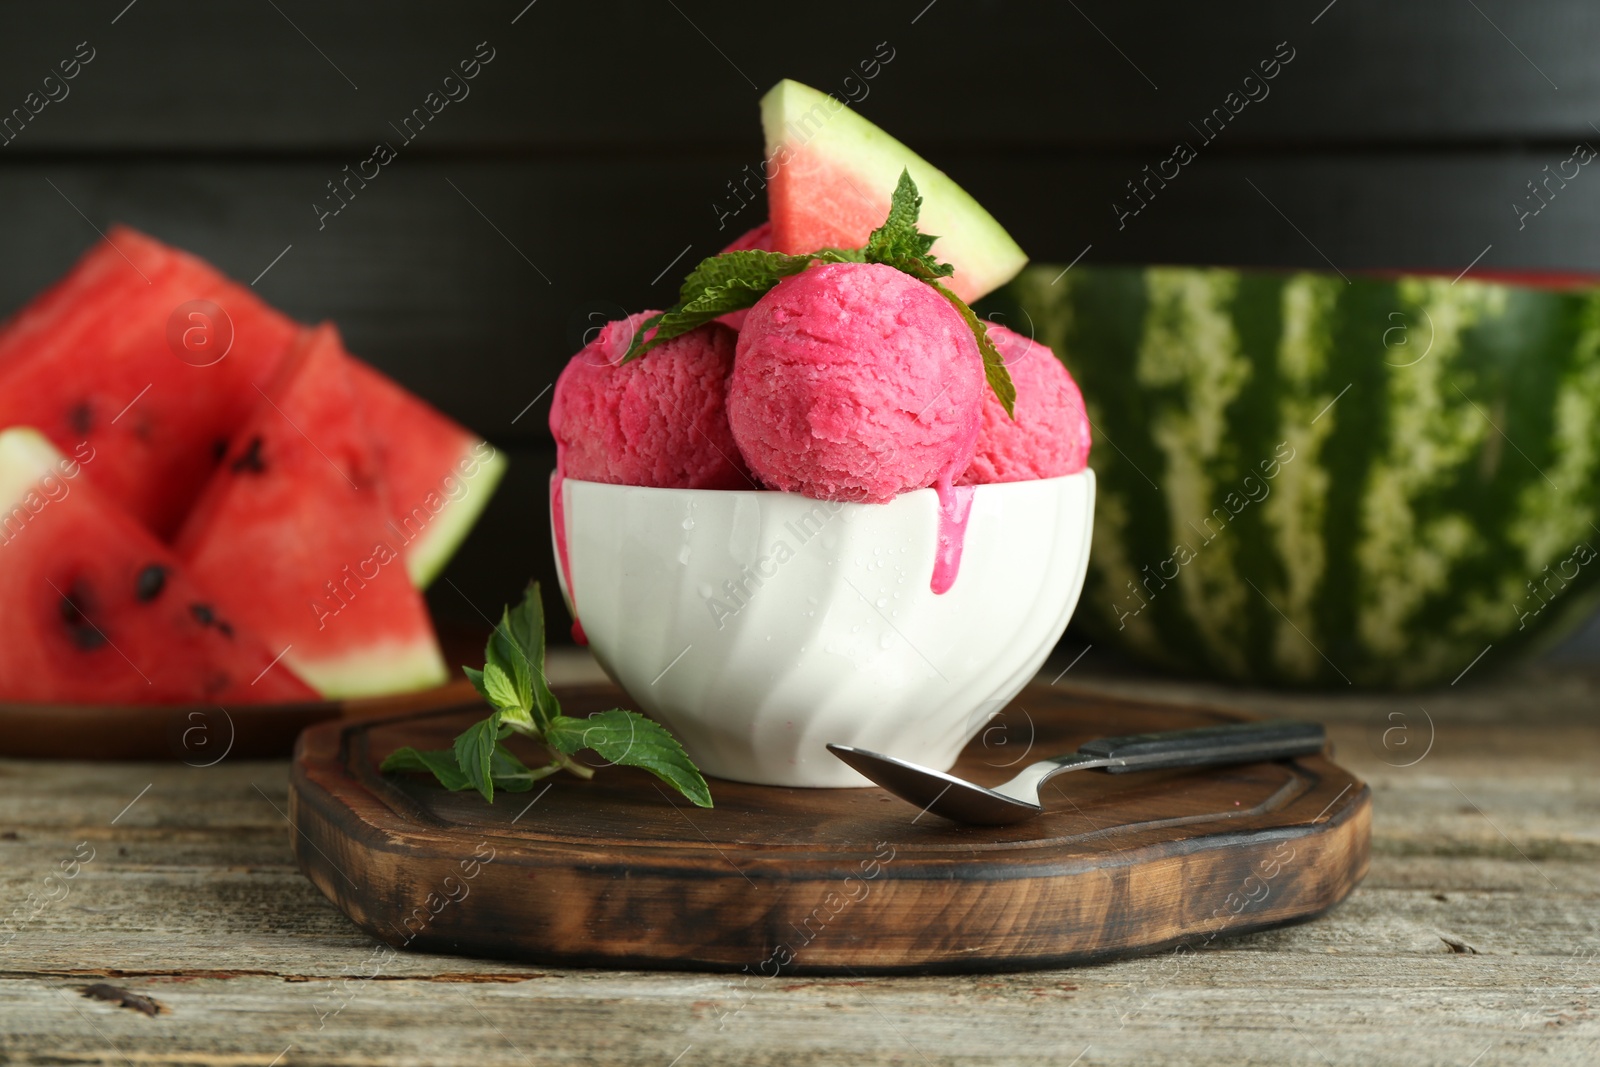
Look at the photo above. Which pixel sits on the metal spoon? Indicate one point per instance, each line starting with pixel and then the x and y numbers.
pixel 963 801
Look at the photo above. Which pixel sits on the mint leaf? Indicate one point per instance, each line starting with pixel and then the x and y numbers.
pixel 500 688
pixel 526 623
pixel 994 364
pixel 630 739
pixel 751 265
pixel 476 678
pixel 441 763
pixel 716 301
pixel 513 683
pixel 506 770
pixel 898 243
pixel 730 281
pixel 511 774
pixel 474 752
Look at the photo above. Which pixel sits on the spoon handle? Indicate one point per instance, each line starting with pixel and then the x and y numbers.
pixel 1244 742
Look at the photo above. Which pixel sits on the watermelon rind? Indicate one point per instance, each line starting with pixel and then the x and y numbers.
pixel 26 456
pixel 427 556
pixel 376 670
pixel 1309 481
pixel 796 117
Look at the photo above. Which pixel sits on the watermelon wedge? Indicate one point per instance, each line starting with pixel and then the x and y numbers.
pixel 154 419
pixel 830 174
pixel 292 535
pixel 100 612
pixel 105 357
pixel 440 475
pixel 81 299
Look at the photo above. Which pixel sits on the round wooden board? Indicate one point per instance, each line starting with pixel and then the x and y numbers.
pixel 621 872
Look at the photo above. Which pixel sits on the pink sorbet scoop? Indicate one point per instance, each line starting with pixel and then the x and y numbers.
pixel 659 420
pixel 855 381
pixel 1049 436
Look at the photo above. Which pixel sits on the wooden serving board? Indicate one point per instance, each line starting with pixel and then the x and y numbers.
pixel 619 872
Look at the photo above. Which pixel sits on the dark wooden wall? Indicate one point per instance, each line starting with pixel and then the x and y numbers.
pixel 595 146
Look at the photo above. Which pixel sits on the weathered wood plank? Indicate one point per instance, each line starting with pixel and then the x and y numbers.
pixel 205 912
pixel 1213 1007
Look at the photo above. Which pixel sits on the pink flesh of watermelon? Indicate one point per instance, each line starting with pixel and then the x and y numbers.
pixel 77 302
pixel 439 474
pixel 100 612
pixel 73 359
pixel 292 536
pixel 154 420
pixel 815 203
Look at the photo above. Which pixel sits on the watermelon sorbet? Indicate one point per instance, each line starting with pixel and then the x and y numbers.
pixel 658 420
pixel 855 381
pixel 1049 435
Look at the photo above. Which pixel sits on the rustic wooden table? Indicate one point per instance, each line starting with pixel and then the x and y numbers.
pixel 1475 939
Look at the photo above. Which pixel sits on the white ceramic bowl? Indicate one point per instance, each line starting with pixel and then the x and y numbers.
pixel 760 626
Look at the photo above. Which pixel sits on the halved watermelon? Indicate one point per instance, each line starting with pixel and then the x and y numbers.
pixel 830 174
pixel 1325 481
pixel 156 421
pixel 97 611
pixel 439 475
pixel 292 536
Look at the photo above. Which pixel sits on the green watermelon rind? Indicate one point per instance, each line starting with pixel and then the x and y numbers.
pixel 984 254
pixel 26 456
pixel 1445 455
pixel 402 668
pixel 427 557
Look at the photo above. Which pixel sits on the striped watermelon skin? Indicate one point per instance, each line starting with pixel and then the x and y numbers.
pixel 1311 482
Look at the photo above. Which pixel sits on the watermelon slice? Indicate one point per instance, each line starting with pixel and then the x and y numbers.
pixel 98 611
pixel 104 357
pixel 440 476
pixel 830 174
pixel 155 418
pixel 292 536
pixel 82 298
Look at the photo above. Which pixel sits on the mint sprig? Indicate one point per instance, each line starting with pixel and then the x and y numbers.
pixel 513 683
pixel 732 281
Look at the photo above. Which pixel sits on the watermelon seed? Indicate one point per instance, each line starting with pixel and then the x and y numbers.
pixel 85 634
pixel 250 460
pixel 202 614
pixel 81 417
pixel 152 579
pixel 219 448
